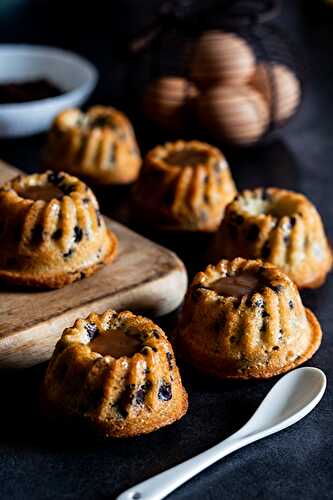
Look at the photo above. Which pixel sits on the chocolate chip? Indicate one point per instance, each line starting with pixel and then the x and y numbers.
pixel 86 201
pixel 142 392
pixel 165 392
pixel 91 330
pixel 259 303
pixel 291 304
pixel 124 401
pixel 69 253
pixel 292 221
pixel 101 121
pixel 264 314
pixel 253 233
pixel 78 234
pixel 98 217
pixel 55 178
pixel 169 358
pixel 265 195
pixel 156 334
pixel 237 303
pixel 145 351
pixel 37 234
pixel 286 238
pixel 276 348
pixel 265 250
pixel 277 288
pixel 67 188
pixel 248 301
pixel 154 349
pixel 82 275
pixel 57 234
pixel 239 219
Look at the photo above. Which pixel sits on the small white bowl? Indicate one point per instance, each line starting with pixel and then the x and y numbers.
pixel 73 74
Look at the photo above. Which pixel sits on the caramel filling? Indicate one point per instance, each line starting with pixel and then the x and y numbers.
pixel 116 344
pixel 235 286
pixel 44 193
pixel 185 157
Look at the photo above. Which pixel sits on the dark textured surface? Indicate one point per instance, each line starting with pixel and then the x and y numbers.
pixel 43 462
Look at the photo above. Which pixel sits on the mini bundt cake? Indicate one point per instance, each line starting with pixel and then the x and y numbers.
pixel 278 226
pixel 184 186
pixel 245 319
pixel 99 145
pixel 117 372
pixel 51 231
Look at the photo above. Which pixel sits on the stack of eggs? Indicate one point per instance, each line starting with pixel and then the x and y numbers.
pixel 233 97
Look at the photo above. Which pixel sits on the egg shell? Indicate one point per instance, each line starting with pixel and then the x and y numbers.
pixel 220 56
pixel 239 115
pixel 166 99
pixel 277 78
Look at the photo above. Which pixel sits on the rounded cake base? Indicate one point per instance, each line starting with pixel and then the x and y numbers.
pixel 25 279
pixel 258 373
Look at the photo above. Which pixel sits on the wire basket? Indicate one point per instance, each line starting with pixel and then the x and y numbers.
pixel 226 72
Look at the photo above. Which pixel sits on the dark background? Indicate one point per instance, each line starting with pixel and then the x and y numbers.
pixel 42 462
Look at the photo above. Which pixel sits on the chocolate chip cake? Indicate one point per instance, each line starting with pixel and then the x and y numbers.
pixel 278 226
pixel 117 372
pixel 51 231
pixel 183 186
pixel 98 145
pixel 245 319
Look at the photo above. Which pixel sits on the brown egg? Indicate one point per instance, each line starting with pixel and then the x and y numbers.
pixel 283 82
pixel 220 56
pixel 239 115
pixel 166 99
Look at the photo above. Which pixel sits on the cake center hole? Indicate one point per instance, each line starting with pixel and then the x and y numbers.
pixel 46 192
pixel 188 156
pixel 116 344
pixel 101 121
pixel 235 286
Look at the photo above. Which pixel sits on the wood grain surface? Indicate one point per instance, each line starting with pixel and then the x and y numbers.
pixel 145 277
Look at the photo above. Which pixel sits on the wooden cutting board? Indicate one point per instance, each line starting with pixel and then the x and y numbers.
pixel 145 277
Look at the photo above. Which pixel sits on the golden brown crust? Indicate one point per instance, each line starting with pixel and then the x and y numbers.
pixel 98 145
pixel 51 232
pixel 281 227
pixel 183 186
pixel 261 334
pixel 60 280
pixel 117 396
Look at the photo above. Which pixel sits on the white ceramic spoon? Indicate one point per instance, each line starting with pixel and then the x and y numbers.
pixel 289 400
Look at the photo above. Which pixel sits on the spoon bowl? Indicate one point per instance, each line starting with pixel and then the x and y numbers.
pixel 289 400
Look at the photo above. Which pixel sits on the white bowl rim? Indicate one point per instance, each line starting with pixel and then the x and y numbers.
pixel 55 51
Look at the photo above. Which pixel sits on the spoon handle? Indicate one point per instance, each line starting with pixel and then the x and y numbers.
pixel 161 485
